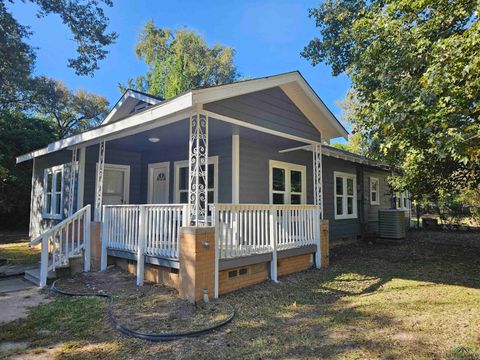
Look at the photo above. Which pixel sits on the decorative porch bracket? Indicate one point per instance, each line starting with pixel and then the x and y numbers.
pixel 71 189
pixel 99 182
pixel 198 169
pixel 317 177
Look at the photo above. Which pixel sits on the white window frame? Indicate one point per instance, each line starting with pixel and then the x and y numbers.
pixel 212 160
pixel 345 176
pixel 372 181
pixel 48 213
pixel 404 200
pixel 288 167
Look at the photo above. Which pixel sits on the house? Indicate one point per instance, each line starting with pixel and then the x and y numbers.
pixel 247 159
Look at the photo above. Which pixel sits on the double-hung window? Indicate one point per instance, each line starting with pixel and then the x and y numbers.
pixel 345 195
pixel 401 200
pixel 53 192
pixel 181 181
pixel 287 183
pixel 374 191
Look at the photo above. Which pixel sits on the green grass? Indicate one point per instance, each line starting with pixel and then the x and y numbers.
pixel 19 253
pixel 411 301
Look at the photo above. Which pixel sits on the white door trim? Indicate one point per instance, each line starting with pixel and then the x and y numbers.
pixel 126 184
pixel 151 167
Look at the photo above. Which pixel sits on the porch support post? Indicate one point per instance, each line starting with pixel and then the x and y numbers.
pixel 99 182
pixel 235 167
pixel 318 198
pixel 141 247
pixel 81 178
pixel 273 239
pixel 71 188
pixel 198 169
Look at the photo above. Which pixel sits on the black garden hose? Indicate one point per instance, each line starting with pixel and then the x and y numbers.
pixel 164 336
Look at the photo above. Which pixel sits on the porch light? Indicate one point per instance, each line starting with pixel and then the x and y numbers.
pixel 153 139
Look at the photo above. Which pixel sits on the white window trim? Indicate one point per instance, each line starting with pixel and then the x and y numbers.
pixel 287 167
pixel 212 160
pixel 344 176
pixel 126 184
pixel 372 180
pixel 53 170
pixel 404 196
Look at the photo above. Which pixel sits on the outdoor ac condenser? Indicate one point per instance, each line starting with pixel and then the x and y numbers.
pixel 391 224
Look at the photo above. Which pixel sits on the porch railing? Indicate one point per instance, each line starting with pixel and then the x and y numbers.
pixel 151 229
pixel 244 229
pixel 68 238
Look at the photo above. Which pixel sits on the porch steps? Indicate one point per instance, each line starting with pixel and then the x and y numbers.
pixel 33 275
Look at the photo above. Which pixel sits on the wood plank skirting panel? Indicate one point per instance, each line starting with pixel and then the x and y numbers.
pixel 152 260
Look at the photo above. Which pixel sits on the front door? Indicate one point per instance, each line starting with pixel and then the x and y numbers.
pixel 158 183
pixel 116 184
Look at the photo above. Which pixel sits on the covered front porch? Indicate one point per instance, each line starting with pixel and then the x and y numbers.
pixel 261 193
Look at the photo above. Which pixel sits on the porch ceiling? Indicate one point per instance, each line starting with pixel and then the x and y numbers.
pixel 176 134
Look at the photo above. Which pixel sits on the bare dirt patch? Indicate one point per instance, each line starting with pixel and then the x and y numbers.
pixel 15 305
pixel 151 308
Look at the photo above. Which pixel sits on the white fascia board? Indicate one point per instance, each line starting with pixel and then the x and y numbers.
pixel 176 105
pixel 222 92
pixel 130 94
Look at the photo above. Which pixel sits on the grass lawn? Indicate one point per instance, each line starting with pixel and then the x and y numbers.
pixel 416 300
pixel 19 253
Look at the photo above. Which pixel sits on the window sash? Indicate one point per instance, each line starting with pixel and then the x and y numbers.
pixel 374 190
pixel 53 192
pixel 341 204
pixel 287 193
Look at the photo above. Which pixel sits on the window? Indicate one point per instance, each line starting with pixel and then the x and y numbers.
pixel 287 183
pixel 374 191
pixel 401 200
pixel 53 192
pixel 345 195
pixel 181 181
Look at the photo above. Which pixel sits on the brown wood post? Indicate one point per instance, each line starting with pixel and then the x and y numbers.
pixel 95 245
pixel 197 263
pixel 324 243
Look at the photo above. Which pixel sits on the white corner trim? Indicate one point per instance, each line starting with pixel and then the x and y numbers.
pixel 235 169
pixel 81 178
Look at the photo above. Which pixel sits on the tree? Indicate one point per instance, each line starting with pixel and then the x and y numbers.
pixel 414 68
pixel 88 25
pixel 19 134
pixel 179 61
pixel 69 111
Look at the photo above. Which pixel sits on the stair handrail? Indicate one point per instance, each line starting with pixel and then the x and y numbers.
pixel 47 232
pixel 44 239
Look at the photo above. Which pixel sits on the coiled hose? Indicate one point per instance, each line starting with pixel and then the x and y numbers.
pixel 164 336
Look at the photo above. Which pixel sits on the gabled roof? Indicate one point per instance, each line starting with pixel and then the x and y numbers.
pixel 123 118
pixel 127 103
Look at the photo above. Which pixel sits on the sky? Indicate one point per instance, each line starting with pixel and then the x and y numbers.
pixel 267 36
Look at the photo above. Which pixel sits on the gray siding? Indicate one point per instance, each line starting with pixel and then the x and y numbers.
pixel 255 168
pixel 345 228
pixel 371 211
pixel 37 223
pixel 271 109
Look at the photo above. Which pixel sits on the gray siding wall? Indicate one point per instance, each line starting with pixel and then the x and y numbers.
pixel 345 228
pixel 221 148
pixel 371 211
pixel 37 223
pixel 271 109
pixel 255 168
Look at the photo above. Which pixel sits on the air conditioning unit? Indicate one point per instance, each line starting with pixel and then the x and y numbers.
pixel 391 224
